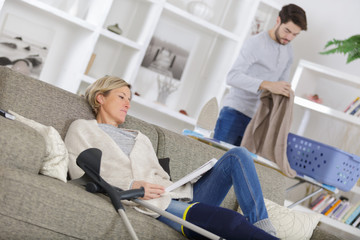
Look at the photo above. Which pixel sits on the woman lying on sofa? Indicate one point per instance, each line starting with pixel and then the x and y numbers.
pixel 129 161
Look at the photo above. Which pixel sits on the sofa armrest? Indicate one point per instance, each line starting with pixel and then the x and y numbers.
pixel 21 146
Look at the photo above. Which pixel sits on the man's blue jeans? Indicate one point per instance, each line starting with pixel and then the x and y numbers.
pixel 230 126
pixel 235 168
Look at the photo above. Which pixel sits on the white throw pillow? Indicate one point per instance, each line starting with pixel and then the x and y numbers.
pixel 56 161
pixel 291 224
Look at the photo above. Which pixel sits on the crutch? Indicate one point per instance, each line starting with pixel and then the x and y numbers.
pixel 89 161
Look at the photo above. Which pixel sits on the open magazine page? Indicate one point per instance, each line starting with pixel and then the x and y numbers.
pixel 194 174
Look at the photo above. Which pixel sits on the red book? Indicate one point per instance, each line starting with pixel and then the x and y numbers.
pixel 351 105
pixel 317 200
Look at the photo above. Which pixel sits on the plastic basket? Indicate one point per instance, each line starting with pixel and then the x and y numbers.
pixel 323 163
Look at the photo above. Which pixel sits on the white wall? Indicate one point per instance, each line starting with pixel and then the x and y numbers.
pixel 327 19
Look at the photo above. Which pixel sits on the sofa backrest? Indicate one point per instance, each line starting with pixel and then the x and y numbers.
pixel 52 106
pixel 41 101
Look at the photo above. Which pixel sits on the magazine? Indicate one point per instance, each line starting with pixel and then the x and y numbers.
pixel 194 174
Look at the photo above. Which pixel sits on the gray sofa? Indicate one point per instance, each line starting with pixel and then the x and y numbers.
pixel 34 206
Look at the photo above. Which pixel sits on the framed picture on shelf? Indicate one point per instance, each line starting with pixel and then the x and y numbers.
pixel 22 56
pixel 24 45
pixel 164 62
pixel 162 55
pixel 265 18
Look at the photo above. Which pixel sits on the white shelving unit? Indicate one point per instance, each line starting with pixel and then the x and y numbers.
pixel 75 33
pixel 342 230
pixel 341 89
pixel 326 122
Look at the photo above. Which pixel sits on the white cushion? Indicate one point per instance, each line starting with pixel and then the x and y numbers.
pixel 291 224
pixel 56 161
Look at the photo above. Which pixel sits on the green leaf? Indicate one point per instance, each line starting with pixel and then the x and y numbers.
pixel 349 46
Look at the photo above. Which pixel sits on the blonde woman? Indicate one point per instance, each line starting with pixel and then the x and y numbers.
pixel 129 161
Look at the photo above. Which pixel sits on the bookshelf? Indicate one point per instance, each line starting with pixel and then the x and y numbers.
pixel 341 89
pixel 342 230
pixel 79 35
pixel 326 122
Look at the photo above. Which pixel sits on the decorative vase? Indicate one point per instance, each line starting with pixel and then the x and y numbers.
pixel 166 85
pixel 200 9
pixel 115 29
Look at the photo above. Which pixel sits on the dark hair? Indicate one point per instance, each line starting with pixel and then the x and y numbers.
pixel 295 14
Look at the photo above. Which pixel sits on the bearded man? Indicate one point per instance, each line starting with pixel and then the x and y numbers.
pixel 263 64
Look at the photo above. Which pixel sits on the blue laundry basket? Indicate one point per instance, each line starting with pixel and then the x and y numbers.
pixel 323 163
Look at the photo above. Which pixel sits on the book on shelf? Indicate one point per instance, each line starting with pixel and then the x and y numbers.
pixel 349 212
pixel 355 110
pixel 353 215
pixel 357 221
pixel 352 105
pixel 332 207
pixel 346 206
pixel 328 205
pixel 337 209
pixel 317 200
pixel 321 204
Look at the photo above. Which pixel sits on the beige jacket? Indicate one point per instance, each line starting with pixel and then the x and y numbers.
pixel 267 132
pixel 116 167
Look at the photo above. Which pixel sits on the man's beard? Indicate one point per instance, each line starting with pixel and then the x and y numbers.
pixel 278 38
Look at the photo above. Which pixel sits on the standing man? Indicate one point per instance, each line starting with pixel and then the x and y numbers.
pixel 263 64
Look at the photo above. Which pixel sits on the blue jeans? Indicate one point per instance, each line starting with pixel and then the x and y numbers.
pixel 235 168
pixel 230 126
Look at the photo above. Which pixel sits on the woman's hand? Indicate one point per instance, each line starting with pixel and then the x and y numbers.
pixel 151 190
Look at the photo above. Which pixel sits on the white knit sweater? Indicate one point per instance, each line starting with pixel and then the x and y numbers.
pixel 117 168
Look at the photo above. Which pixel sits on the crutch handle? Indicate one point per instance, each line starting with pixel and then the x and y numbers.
pixel 123 195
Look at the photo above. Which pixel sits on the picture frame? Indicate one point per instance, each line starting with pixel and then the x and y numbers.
pixel 21 48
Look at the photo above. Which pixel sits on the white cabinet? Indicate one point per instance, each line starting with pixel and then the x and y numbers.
pixel 80 48
pixel 326 121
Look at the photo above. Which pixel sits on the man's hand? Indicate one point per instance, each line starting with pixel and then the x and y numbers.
pixel 281 87
pixel 151 190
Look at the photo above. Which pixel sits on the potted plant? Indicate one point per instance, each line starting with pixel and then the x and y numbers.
pixel 349 46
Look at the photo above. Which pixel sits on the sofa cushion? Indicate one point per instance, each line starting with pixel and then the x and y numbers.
pixel 291 224
pixel 21 146
pixel 56 160
pixel 68 210
pixel 273 183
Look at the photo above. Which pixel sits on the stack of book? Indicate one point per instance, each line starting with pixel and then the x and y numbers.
pixel 337 208
pixel 353 108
